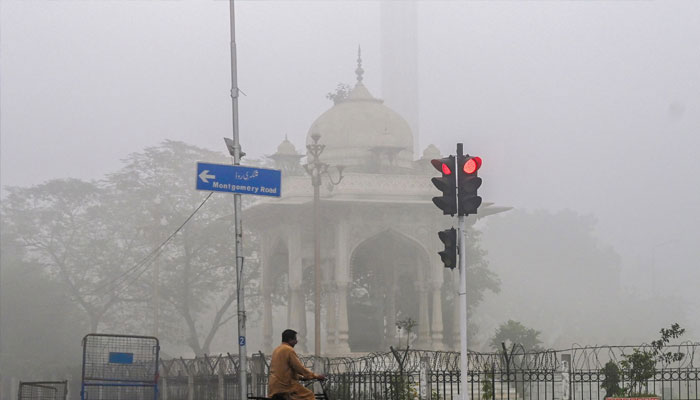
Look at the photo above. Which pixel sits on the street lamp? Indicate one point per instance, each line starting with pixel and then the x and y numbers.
pixel 316 169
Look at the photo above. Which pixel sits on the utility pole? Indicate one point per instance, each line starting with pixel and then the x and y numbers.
pixel 236 147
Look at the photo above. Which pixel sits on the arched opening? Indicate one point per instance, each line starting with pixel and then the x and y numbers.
pixel 384 271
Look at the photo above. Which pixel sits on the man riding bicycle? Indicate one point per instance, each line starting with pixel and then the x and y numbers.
pixel 286 369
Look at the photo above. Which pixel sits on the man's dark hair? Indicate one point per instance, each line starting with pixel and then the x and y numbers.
pixel 289 335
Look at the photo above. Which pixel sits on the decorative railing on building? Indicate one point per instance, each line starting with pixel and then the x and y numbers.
pixel 572 374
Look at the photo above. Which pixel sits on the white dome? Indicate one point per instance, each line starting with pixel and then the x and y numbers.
pixel 286 148
pixel 431 152
pixel 355 128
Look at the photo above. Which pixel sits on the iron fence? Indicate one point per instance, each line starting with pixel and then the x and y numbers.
pixel 573 374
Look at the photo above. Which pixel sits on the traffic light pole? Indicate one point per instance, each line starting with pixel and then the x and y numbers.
pixel 459 183
pixel 462 233
pixel 463 305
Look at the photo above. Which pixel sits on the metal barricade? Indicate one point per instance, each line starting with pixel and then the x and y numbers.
pixel 117 367
pixel 45 390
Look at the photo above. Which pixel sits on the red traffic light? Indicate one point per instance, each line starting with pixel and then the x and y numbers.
pixel 441 166
pixel 472 165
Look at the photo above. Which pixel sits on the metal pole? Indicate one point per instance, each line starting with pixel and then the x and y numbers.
pixel 317 269
pixel 2 386
pixel 463 304
pixel 242 357
pixel 462 289
pixel 316 168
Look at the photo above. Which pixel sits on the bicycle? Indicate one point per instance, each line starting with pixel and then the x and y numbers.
pixel 308 383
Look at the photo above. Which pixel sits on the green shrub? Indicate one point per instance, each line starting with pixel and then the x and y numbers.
pixel 640 366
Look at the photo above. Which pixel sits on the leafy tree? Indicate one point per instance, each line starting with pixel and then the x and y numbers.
pixel 554 264
pixel 480 277
pixel 513 339
pixel 100 240
pixel 65 228
pixel 611 380
pixel 197 277
pixel 487 387
pixel 513 332
pixel 41 327
pixel 640 366
pixel 406 325
pixel 340 94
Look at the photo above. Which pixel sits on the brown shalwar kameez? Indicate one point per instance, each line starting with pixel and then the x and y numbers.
pixel 285 370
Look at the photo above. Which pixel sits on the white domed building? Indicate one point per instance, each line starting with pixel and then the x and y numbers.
pixel 378 235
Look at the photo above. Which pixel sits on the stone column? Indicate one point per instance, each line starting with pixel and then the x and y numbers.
pixel 423 340
pixel 341 278
pixel 436 323
pixel 267 320
pixel 303 332
pixel 343 346
pixel 296 304
pixel 297 312
pixel 391 315
pixel 331 316
pixel 267 296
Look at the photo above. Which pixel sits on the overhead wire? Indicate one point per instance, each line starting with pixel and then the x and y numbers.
pixel 145 261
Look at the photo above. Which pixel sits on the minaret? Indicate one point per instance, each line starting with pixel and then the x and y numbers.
pixel 399 48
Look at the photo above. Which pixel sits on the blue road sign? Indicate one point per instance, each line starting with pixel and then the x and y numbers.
pixel 239 179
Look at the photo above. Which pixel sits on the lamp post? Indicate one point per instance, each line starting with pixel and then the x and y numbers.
pixel 316 169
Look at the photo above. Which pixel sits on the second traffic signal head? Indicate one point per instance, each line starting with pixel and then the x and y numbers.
pixel 469 182
pixel 449 256
pixel 446 184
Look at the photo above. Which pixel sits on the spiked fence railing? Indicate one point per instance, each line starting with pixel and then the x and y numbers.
pixel 570 374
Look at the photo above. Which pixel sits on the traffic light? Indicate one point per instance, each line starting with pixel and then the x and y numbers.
pixel 469 182
pixel 449 255
pixel 446 184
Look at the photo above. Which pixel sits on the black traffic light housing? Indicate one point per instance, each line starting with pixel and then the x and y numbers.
pixel 469 182
pixel 447 184
pixel 449 255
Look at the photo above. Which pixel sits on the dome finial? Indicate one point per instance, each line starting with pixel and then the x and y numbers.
pixel 359 71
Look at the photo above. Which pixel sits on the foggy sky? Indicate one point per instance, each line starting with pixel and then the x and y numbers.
pixel 589 106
